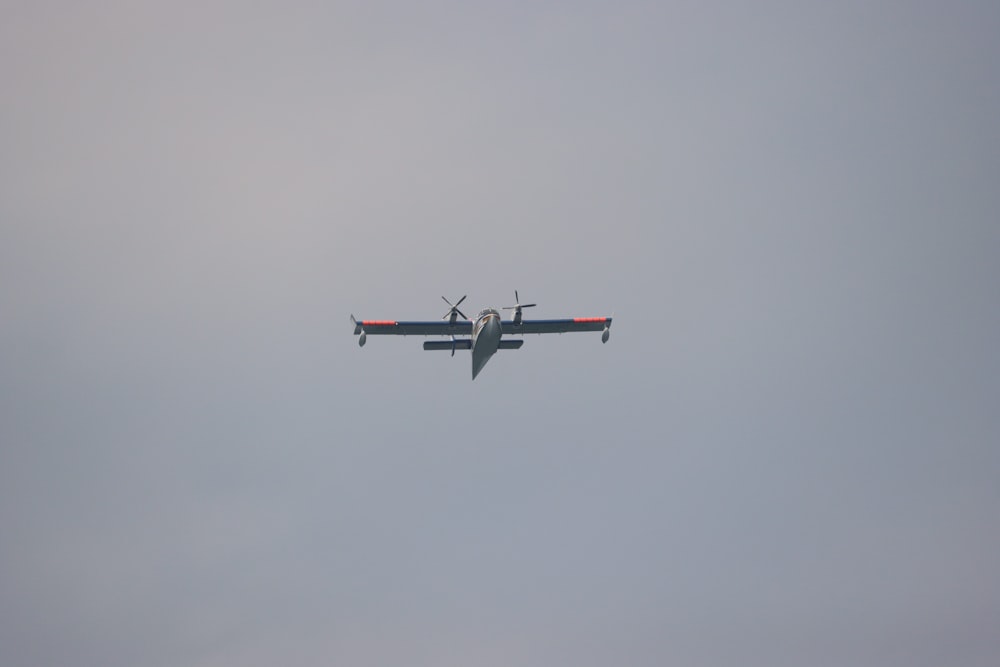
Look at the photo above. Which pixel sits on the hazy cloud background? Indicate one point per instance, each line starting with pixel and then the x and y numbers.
pixel 787 454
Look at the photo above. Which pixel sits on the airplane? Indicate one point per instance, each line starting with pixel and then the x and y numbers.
pixel 485 332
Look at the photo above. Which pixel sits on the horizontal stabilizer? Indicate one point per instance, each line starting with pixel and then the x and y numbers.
pixel 510 344
pixel 457 344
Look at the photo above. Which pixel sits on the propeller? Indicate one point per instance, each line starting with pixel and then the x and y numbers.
pixel 454 312
pixel 517 307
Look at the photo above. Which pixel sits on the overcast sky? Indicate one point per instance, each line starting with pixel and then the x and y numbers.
pixel 787 454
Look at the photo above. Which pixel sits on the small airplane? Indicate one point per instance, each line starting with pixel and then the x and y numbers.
pixel 485 331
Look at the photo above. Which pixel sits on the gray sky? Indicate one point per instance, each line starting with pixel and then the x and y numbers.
pixel 786 455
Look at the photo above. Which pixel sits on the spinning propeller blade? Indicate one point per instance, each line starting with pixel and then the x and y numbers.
pixel 518 305
pixel 454 308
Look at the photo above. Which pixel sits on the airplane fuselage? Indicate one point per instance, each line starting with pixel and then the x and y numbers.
pixel 486 330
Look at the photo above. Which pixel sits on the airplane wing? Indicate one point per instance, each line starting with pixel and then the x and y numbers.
pixel 432 328
pixel 556 326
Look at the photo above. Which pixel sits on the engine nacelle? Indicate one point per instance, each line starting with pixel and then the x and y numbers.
pixel 362 337
pixel 606 334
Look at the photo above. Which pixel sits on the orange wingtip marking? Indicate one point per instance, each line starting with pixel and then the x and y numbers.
pixel 378 323
pixel 590 319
